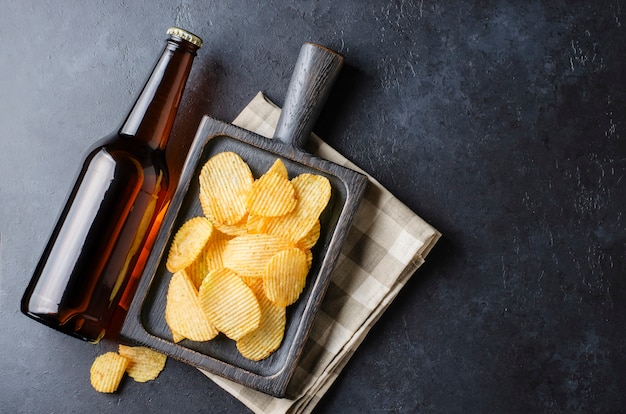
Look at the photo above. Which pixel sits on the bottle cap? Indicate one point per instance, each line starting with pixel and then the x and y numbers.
pixel 185 35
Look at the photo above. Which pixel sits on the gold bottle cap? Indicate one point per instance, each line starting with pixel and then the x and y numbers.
pixel 184 34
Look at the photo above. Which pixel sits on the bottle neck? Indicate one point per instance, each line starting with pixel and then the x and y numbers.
pixel 151 118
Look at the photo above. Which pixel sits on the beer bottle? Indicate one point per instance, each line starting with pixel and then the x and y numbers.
pixel 98 248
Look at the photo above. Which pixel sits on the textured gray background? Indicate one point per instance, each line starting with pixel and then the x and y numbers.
pixel 500 122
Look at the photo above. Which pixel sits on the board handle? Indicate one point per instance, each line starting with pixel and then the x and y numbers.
pixel 315 72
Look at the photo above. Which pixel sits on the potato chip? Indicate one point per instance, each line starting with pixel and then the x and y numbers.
pixel 197 271
pixel 176 337
pixel 214 255
pixel 239 278
pixel 248 255
pixel 313 192
pixel 272 195
pixel 232 230
pixel 250 280
pixel 263 341
pixel 229 303
pixel 225 181
pixel 309 257
pixel 183 312
pixel 308 241
pixel 279 168
pixel 209 259
pixel 188 242
pixel 144 364
pixel 256 224
pixel 285 276
pixel 107 372
pixel 205 203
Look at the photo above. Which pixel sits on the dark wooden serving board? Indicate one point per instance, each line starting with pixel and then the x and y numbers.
pixel 316 70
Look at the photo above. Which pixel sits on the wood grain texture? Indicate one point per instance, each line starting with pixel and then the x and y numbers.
pixel 313 77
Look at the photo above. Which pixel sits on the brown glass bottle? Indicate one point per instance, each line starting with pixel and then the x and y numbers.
pixel 99 245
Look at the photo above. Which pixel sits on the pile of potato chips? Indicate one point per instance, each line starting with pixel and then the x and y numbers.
pixel 140 363
pixel 238 267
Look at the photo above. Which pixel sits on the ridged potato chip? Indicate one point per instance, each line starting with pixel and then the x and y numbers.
pixel 239 279
pixel 214 255
pixel 107 371
pixel 188 243
pixel 263 341
pixel 313 192
pixel 144 364
pixel 176 337
pixel 233 230
pixel 183 313
pixel 285 276
pixel 279 168
pixel 256 224
pixel 308 241
pixel 229 303
pixel 225 181
pixel 210 258
pixel 309 257
pixel 248 255
pixel 272 195
pixel 250 280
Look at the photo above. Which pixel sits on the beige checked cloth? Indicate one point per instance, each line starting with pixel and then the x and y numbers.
pixel 384 247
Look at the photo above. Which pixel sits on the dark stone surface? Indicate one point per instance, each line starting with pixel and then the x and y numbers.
pixel 500 122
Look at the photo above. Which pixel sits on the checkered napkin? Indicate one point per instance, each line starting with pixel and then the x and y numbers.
pixel 384 247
